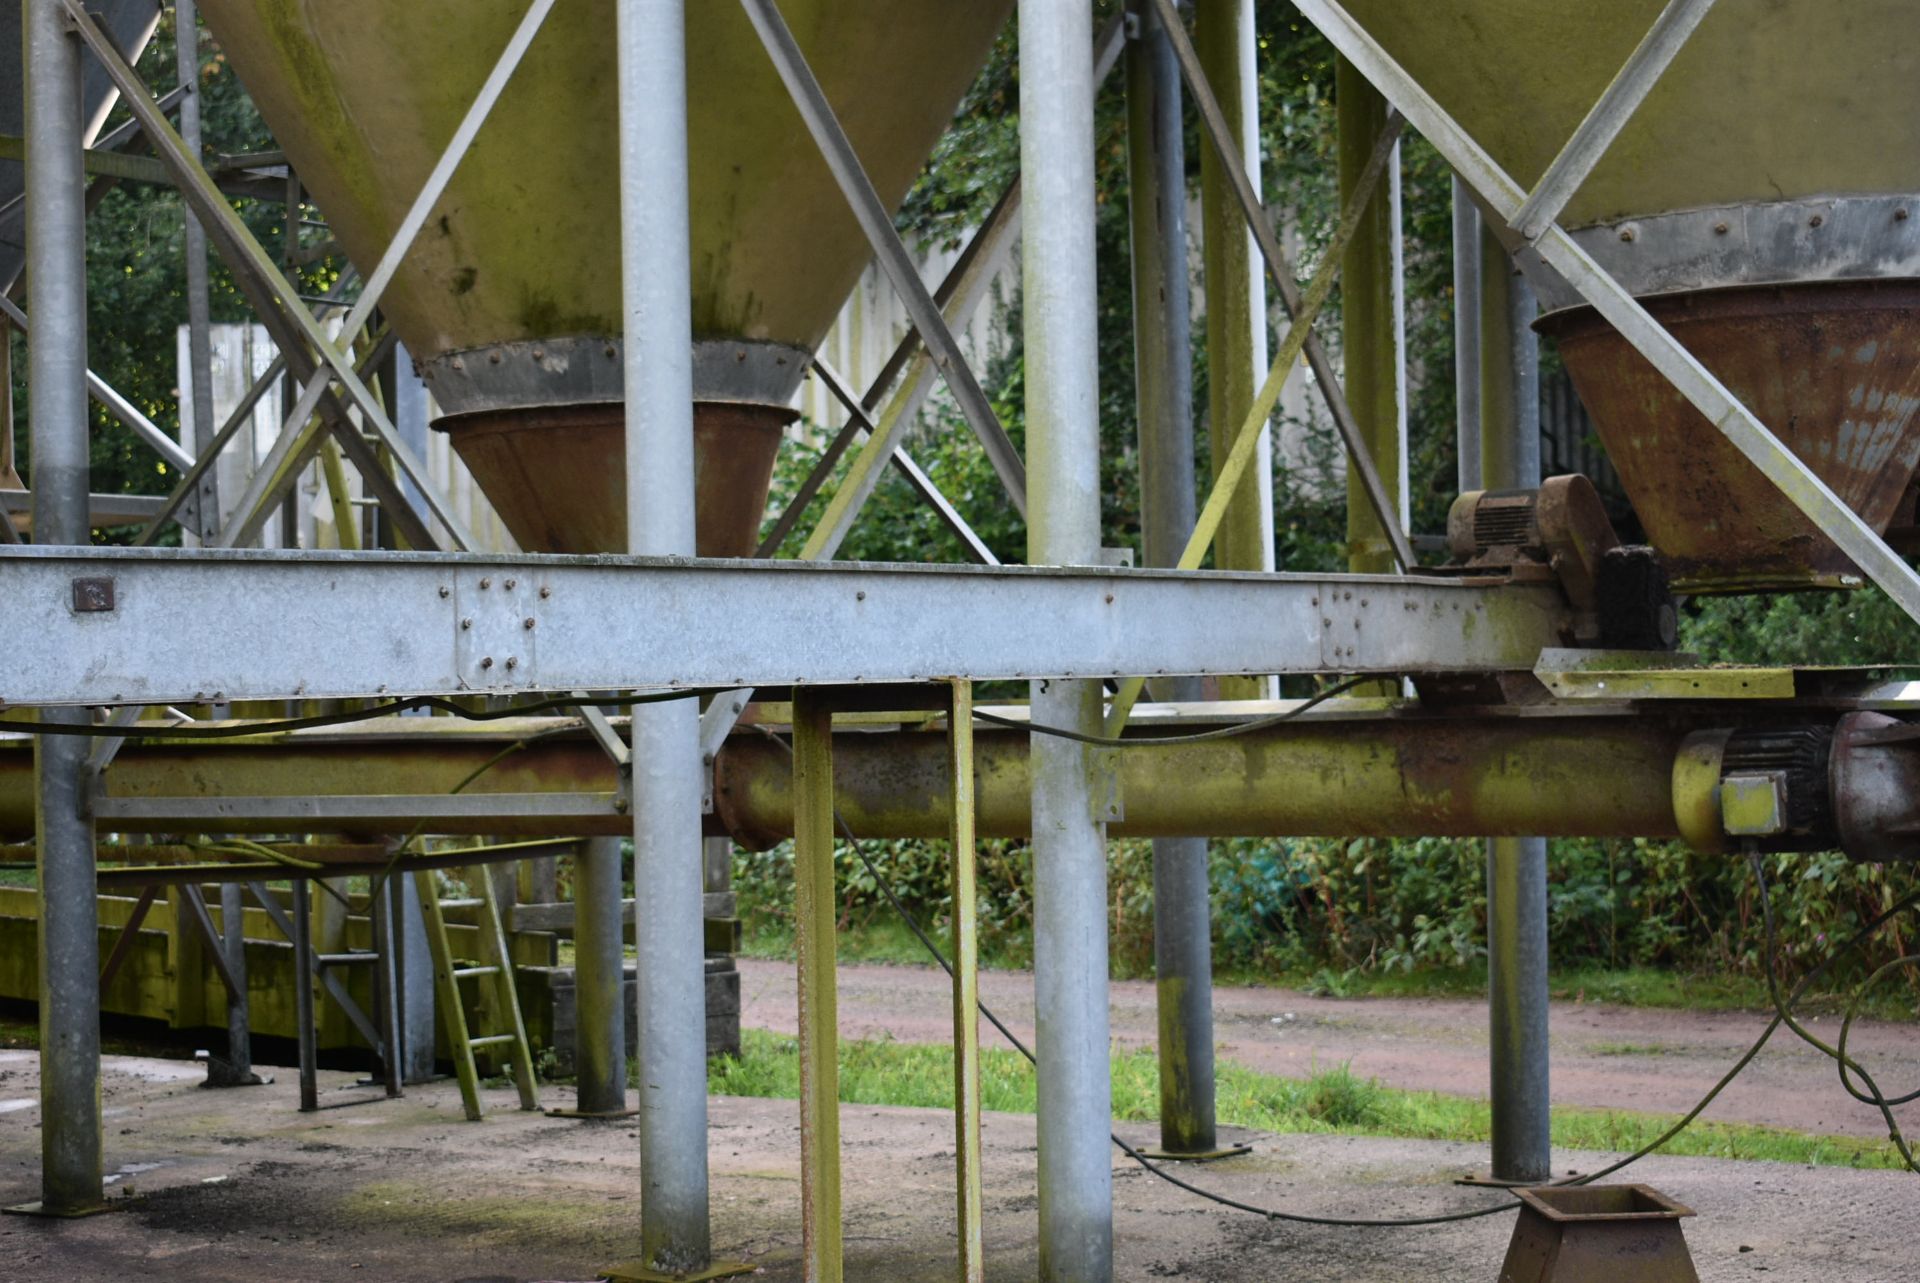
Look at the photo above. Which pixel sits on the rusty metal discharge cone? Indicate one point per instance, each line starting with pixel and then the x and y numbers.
pixel 510 300
pixel 1761 159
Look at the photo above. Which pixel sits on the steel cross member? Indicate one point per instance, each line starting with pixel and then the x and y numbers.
pixel 892 254
pixel 1505 198
pixel 461 624
pixel 274 297
pixel 1610 114
pixel 1220 134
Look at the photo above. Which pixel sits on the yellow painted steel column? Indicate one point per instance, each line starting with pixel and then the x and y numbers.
pixel 814 920
pixel 1372 322
pixel 1236 299
pixel 966 985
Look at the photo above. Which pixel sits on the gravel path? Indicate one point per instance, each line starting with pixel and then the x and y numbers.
pixel 1615 1057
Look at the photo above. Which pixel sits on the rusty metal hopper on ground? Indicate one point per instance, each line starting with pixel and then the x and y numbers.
pixel 1750 202
pixel 510 301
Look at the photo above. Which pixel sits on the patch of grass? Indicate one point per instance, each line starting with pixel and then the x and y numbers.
pixel 883 1072
pixel 1628 1049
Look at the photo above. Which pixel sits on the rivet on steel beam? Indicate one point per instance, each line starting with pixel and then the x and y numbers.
pixel 486 582
pixel 859 596
pixel 513 661
pixel 465 624
pixel 445 591
pixel 1816 220
pixel 545 593
pixel 510 583
pixel 527 622
pixel 1626 234
pixel 487 662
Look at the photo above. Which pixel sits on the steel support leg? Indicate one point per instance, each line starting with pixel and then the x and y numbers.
pixel 1224 38
pixel 1163 376
pixel 815 926
pixel 415 965
pixel 70 1137
pixel 1063 443
pixel 1373 324
pixel 1509 447
pixel 303 995
pixel 966 987
pixel 599 980
pixel 236 1069
pixel 388 1000
pixel 202 515
pixel 1466 335
pixel 670 970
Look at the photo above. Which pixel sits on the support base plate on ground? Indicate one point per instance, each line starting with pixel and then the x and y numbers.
pixel 1487 1180
pixel 593 1115
pixel 41 1209
pixel 1160 1155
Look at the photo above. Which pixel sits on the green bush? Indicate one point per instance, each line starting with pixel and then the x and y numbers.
pixel 1337 909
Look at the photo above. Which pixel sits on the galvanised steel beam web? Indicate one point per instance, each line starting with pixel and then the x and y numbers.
pixel 445 623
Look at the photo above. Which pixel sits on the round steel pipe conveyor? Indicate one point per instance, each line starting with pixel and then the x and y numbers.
pixel 1367 777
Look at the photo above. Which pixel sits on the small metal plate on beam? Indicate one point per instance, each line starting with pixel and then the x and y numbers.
pixel 1634 674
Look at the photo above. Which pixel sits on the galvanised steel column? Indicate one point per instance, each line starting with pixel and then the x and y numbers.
pixel 1236 298
pixel 599 980
pixel 1372 321
pixel 1063 470
pixel 657 303
pixel 1466 335
pixel 1516 867
pixel 198 434
pixel 70 1140
pixel 1163 381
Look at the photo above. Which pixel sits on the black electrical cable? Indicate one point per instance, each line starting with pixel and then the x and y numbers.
pixel 1784 1015
pixel 1164 741
pixel 239 730
pixel 1272 1214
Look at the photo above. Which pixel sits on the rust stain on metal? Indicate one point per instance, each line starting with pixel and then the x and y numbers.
pixel 558 479
pixel 1832 369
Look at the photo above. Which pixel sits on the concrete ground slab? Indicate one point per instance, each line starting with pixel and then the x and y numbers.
pixel 240 1186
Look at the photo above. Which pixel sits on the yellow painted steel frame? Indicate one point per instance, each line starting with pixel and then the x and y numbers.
pixel 815 916
pixel 966 985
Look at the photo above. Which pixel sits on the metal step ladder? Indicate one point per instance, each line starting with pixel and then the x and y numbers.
pixel 497 996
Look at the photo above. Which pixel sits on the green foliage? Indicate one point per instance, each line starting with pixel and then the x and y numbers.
pixel 1341 914
pixel 1862 627
pixel 136 285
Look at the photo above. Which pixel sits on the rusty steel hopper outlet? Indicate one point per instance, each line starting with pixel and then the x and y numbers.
pixel 1833 369
pixel 1598 1234
pixel 555 475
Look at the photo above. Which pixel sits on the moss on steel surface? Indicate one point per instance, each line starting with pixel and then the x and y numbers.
pixel 364 94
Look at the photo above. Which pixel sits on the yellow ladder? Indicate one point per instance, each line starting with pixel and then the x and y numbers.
pixel 497 995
